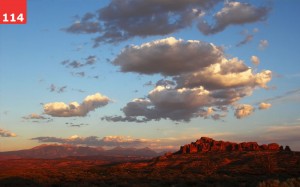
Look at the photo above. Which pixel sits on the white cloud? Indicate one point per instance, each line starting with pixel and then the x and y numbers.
pixel 230 73
pixel 5 133
pixel 206 113
pixel 234 13
pixel 168 57
pixel 243 111
pixel 263 44
pixel 90 103
pixel 126 19
pixel 35 116
pixel 179 104
pixel 255 60
pixel 122 20
pixel 202 78
pixel 263 106
pixel 110 141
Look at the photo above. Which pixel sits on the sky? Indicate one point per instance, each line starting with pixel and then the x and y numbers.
pixel 150 73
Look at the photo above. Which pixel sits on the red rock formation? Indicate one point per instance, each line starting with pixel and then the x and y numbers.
pixel 273 146
pixel 206 144
pixel 287 148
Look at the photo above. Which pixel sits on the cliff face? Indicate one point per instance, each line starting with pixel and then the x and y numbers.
pixel 206 144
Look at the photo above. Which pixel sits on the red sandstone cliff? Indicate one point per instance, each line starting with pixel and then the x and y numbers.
pixel 206 144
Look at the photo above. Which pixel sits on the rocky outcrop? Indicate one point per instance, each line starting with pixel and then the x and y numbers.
pixel 206 144
pixel 287 149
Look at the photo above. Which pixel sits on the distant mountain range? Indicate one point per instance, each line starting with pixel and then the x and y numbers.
pixel 53 151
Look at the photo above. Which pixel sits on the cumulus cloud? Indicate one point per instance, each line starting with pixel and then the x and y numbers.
pixel 164 103
pixel 198 83
pixel 263 106
pixel 233 13
pixel 122 20
pixel 197 64
pixel 206 113
pixel 168 57
pixel 90 103
pixel 255 60
pixel 111 141
pixel 263 44
pixel 5 133
pixel 243 111
pixel 177 105
pixel 232 73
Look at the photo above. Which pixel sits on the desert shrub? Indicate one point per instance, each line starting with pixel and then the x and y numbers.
pixel 208 167
pixel 269 183
pixel 266 163
pixel 293 182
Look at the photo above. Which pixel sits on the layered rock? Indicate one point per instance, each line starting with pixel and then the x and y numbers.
pixel 206 144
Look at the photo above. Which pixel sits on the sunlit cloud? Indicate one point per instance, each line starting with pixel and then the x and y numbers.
pixel 166 57
pixel 110 141
pixel 234 13
pixel 122 20
pixel 34 116
pixel 201 78
pixel 243 111
pixel 255 60
pixel 263 106
pixel 6 133
pixel 90 103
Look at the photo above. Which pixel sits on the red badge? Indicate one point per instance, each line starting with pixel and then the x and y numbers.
pixel 13 12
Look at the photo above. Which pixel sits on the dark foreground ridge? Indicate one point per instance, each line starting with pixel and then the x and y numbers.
pixel 205 163
pixel 205 144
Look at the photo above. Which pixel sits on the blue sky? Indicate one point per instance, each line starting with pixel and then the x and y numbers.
pixel 53 59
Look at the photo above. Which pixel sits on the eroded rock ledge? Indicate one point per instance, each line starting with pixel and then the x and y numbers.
pixel 205 144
